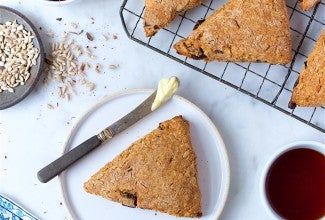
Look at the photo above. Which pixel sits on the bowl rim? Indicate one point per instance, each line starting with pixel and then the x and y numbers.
pixel 314 145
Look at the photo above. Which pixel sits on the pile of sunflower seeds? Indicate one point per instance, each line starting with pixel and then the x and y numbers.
pixel 17 55
pixel 63 66
pixel 69 62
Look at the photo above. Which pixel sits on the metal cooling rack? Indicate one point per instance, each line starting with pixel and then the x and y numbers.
pixel 270 84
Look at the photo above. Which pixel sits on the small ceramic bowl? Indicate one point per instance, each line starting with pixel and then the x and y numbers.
pixel 8 99
pixel 319 147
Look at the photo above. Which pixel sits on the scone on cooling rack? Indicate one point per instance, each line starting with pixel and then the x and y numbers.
pixel 310 86
pixel 158 14
pixel 307 4
pixel 158 171
pixel 242 31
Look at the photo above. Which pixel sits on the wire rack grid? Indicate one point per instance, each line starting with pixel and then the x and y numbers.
pixel 270 84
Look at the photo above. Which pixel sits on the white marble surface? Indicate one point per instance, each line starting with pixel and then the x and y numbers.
pixel 32 135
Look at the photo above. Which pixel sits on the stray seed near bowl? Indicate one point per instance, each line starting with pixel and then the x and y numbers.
pixel 64 37
pixel 98 68
pixel 89 53
pixel 113 66
pixel 82 67
pixel 49 106
pixel 76 33
pixel 74 25
pixel 104 37
pixel 50 34
pixel 91 86
pixel 67 96
pixel 89 36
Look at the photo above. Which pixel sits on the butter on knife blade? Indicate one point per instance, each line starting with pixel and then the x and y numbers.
pixel 166 89
pixel 67 159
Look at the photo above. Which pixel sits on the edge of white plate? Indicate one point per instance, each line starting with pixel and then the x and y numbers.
pixel 131 91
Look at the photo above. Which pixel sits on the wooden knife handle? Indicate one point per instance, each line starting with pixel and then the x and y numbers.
pixel 67 159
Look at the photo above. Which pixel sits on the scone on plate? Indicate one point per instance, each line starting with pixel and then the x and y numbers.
pixel 307 4
pixel 310 86
pixel 242 31
pixel 158 14
pixel 158 172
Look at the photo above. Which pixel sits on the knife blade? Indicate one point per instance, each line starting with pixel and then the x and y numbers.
pixel 67 159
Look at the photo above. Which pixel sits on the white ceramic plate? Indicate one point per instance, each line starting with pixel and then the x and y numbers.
pixel 213 166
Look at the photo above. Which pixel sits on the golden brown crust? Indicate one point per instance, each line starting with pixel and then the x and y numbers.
pixel 310 88
pixel 244 31
pixel 307 4
pixel 159 13
pixel 158 172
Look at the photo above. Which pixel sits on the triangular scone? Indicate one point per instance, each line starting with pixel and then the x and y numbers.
pixel 243 31
pixel 158 172
pixel 308 4
pixel 310 87
pixel 159 13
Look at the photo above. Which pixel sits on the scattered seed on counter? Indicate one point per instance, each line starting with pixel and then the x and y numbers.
pixel 82 67
pixel 67 96
pixel 49 106
pixel 89 36
pixel 98 68
pixel 113 66
pixel 74 25
pixel 78 50
pixel 76 33
pixel 64 37
pixel 17 55
pixel 104 37
pixel 63 67
pixel 89 53
pixel 70 85
pixel 50 34
pixel 69 62
pixel 89 85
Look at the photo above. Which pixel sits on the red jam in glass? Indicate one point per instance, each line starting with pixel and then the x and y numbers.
pixel 295 185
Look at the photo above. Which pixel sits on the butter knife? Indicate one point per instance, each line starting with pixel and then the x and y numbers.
pixel 67 159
